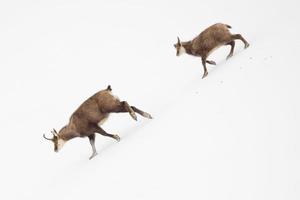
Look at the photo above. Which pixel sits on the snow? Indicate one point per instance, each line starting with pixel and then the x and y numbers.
pixel 233 135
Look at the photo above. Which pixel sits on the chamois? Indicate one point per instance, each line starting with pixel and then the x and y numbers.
pixel 86 120
pixel 209 40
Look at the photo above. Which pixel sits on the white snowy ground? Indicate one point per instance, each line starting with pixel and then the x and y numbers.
pixel 233 135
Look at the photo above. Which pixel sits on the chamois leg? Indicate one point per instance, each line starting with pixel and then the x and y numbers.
pixel 232 43
pixel 128 108
pixel 211 62
pixel 204 67
pixel 240 37
pixel 104 133
pixel 125 107
pixel 92 141
pixel 144 114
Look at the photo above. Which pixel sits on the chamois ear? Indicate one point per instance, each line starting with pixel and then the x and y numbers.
pixel 178 41
pixel 109 88
pixel 54 133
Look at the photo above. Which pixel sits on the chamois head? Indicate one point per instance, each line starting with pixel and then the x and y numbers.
pixel 179 48
pixel 58 142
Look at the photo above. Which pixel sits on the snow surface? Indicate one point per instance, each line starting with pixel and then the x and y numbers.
pixel 233 135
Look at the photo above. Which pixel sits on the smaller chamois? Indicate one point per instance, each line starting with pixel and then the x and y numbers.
pixel 209 40
pixel 86 120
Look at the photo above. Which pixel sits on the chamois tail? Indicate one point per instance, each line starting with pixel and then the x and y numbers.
pixel 109 88
pixel 228 26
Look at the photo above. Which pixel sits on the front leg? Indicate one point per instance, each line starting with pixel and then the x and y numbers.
pixel 92 142
pixel 204 67
pixel 232 44
pixel 104 133
pixel 211 62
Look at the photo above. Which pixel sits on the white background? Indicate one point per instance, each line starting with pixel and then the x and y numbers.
pixel 233 135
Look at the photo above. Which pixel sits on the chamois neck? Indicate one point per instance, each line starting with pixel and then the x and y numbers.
pixel 187 46
pixel 67 133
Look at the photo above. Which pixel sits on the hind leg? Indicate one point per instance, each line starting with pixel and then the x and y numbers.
pixel 123 106
pixel 240 37
pixel 232 43
pixel 144 114
pixel 128 109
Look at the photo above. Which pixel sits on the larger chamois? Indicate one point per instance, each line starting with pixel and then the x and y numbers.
pixel 209 40
pixel 86 120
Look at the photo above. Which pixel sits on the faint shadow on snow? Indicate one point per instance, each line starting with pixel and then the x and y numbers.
pixel 222 62
pixel 125 135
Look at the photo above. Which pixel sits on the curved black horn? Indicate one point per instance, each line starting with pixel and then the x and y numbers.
pixel 51 139
pixel 54 133
pixel 178 40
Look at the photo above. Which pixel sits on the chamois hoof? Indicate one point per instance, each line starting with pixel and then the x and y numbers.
pixel 147 115
pixel 212 62
pixel 116 137
pixel 133 115
pixel 93 155
pixel 204 75
pixel 229 56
